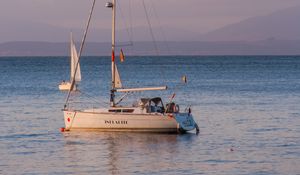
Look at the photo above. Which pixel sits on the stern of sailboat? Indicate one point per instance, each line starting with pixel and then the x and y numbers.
pixel 186 121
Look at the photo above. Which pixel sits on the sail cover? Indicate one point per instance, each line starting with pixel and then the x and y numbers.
pixel 74 60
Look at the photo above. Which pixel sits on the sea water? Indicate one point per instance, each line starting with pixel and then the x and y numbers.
pixel 247 108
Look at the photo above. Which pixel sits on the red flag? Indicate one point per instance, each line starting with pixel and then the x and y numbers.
pixel 113 56
pixel 122 57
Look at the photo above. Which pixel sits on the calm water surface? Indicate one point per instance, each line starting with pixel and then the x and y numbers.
pixel 247 108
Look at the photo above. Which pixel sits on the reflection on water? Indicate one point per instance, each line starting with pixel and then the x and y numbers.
pixel 118 153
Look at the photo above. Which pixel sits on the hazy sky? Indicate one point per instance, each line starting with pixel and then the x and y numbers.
pixel 198 16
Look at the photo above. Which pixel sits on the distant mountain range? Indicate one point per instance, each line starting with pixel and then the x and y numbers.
pixel 274 34
pixel 280 25
pixel 264 47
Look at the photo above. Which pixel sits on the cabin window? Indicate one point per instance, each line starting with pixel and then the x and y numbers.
pixel 121 110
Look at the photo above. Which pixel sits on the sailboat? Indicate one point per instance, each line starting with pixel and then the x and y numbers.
pixel 148 115
pixel 65 85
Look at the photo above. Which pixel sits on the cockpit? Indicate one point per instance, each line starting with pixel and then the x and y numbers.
pixel 155 105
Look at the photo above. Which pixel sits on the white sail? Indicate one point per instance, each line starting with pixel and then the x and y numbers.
pixel 118 83
pixel 74 60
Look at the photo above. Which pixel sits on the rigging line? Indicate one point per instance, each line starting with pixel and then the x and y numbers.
pixel 91 97
pixel 125 23
pixel 80 51
pixel 150 28
pixel 160 27
pixel 124 44
pixel 130 20
pixel 153 38
pixel 123 96
pixel 131 27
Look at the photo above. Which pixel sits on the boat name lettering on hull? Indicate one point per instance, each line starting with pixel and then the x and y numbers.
pixel 118 122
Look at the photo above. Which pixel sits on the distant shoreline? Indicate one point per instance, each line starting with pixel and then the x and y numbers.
pixel 172 48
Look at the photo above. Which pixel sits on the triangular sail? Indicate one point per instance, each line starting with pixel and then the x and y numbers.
pixel 74 60
pixel 118 83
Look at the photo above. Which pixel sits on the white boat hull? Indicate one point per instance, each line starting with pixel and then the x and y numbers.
pixel 66 86
pixel 113 121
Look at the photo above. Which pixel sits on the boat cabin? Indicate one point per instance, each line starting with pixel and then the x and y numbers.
pixel 148 105
pixel 155 105
pixel 152 105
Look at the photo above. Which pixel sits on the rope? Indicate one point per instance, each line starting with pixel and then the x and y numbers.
pixel 95 100
pixel 150 28
pixel 153 38
pixel 80 52
pixel 160 28
pixel 126 25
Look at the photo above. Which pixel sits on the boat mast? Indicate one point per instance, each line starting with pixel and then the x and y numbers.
pixel 112 5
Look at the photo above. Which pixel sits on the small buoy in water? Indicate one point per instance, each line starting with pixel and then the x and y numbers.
pixel 62 129
pixel 184 79
pixel 230 150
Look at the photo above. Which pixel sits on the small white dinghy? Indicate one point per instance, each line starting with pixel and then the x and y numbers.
pixel 65 85
pixel 147 115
